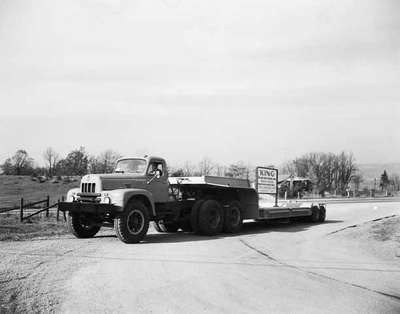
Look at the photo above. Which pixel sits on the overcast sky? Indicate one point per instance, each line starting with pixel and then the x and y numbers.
pixel 259 81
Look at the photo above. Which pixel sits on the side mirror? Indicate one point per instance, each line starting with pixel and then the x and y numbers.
pixel 118 170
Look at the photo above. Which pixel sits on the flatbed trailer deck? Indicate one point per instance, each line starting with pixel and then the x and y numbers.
pixel 255 206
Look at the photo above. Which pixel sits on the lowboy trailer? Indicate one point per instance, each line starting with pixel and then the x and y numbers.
pixel 140 191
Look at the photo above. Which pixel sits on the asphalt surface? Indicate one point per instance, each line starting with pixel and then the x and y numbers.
pixel 268 268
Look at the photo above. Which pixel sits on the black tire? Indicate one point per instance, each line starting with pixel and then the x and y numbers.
pixel 322 213
pixel 81 227
pixel 210 218
pixel 194 216
pixel 233 220
pixel 315 214
pixel 132 225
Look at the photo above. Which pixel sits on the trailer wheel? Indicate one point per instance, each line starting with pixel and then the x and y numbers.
pixel 132 225
pixel 233 219
pixel 315 214
pixel 322 214
pixel 210 219
pixel 81 227
pixel 194 216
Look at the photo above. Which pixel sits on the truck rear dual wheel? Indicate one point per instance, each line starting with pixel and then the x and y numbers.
pixel 210 218
pixel 194 216
pixel 81 227
pixel 233 219
pixel 132 225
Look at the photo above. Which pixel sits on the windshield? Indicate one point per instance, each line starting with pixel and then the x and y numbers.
pixel 131 166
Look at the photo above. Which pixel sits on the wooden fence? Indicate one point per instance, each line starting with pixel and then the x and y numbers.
pixel 23 206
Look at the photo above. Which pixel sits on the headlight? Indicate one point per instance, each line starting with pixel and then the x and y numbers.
pixel 107 200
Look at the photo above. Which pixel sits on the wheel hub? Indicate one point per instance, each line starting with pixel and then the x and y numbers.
pixel 135 221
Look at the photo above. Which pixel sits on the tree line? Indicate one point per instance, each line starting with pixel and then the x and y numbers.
pixel 76 163
pixel 328 172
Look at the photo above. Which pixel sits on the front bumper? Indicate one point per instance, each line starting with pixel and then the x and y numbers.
pixel 90 208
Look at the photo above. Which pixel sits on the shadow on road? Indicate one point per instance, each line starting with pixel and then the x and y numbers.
pixel 248 229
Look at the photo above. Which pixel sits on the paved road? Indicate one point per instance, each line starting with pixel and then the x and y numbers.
pixel 276 268
pixel 391 199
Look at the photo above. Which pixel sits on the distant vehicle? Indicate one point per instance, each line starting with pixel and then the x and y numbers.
pixel 140 191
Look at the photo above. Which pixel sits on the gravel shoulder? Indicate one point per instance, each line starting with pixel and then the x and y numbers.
pixel 33 272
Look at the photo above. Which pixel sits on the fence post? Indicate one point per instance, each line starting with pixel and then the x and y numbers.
pixel 47 205
pixel 21 210
pixel 65 216
pixel 58 210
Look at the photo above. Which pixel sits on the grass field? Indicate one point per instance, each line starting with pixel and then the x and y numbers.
pixel 12 188
pixel 12 229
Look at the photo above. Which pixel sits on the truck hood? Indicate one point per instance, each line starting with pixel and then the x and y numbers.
pixel 113 181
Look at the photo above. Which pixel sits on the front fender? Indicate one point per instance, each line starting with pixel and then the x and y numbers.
pixel 121 197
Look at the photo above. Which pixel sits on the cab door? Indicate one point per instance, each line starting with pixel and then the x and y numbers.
pixel 158 184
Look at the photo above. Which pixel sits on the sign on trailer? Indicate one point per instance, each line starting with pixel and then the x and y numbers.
pixel 267 180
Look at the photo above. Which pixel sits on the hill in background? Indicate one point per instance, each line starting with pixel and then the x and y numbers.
pixel 370 172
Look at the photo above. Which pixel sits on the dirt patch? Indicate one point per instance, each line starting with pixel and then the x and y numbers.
pixel 386 230
pixel 380 237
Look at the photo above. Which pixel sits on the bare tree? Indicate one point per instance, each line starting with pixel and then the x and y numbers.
pixel 76 163
pixel 51 158
pixel 238 170
pixel 396 182
pixel 188 169
pixel 104 163
pixel 206 167
pixel 19 164
pixel 357 179
pixel 220 170
pixel 288 168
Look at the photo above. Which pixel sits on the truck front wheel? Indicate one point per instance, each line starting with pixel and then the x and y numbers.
pixel 233 218
pixel 81 227
pixel 132 225
pixel 210 219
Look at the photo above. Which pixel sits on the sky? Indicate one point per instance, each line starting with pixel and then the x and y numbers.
pixel 258 81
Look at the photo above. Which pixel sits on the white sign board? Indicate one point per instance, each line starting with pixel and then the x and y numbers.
pixel 267 180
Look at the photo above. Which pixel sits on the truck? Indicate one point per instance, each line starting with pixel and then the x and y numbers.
pixel 140 191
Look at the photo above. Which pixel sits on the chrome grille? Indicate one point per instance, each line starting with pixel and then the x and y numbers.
pixel 88 187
